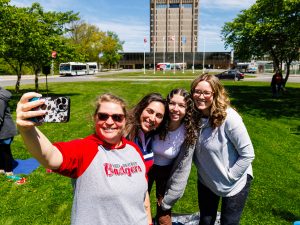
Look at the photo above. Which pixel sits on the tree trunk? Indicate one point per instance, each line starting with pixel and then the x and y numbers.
pixel 17 68
pixel 36 79
pixel 287 74
pixel 276 63
pixel 19 74
pixel 36 82
pixel 17 88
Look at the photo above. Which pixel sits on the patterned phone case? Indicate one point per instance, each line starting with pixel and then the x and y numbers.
pixel 57 110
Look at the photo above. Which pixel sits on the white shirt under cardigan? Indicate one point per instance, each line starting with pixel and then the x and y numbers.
pixel 223 155
pixel 165 151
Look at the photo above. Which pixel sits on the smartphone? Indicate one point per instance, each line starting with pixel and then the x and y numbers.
pixel 57 110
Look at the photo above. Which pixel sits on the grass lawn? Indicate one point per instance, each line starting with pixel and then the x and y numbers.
pixel 273 125
pixel 161 75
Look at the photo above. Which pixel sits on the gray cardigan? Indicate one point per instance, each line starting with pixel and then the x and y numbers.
pixel 223 156
pixel 7 126
pixel 179 176
pixel 239 149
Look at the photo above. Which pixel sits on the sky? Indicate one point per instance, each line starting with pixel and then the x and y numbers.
pixel 130 19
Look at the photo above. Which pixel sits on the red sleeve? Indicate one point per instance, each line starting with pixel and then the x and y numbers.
pixel 141 155
pixel 77 156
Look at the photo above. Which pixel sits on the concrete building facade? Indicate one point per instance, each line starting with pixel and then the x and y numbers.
pixel 174 25
pixel 212 60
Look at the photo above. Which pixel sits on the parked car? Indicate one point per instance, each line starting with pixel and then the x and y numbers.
pixel 231 74
pixel 252 70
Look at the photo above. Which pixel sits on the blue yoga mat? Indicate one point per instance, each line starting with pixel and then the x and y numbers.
pixel 25 166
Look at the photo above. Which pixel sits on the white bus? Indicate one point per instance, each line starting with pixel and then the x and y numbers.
pixel 178 66
pixel 73 68
pixel 163 66
pixel 92 67
pixel 247 67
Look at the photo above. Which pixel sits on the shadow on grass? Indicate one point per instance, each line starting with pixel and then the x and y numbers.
pixel 16 96
pixel 288 216
pixel 258 101
pixel 295 130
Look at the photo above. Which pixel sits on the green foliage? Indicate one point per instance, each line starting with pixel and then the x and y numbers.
pixel 45 30
pixel 5 68
pixel 89 40
pixel 29 34
pixel 269 27
pixel 111 48
pixel 273 125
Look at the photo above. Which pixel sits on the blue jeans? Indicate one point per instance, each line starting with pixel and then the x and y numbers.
pixel 6 158
pixel 6 141
pixel 231 209
pixel 160 175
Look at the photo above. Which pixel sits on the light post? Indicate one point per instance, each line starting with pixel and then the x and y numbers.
pixel 183 41
pixel 100 57
pixel 203 60
pixel 154 44
pixel 231 58
pixel 164 39
pixel 145 41
pixel 193 61
pixel 53 56
pixel 194 56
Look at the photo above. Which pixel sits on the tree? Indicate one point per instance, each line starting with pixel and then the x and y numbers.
pixel 269 27
pixel 29 34
pixel 48 29
pixel 88 39
pixel 111 48
pixel 13 37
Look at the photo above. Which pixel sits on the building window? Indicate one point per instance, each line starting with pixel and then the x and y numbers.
pixel 161 6
pixel 187 6
pixel 174 5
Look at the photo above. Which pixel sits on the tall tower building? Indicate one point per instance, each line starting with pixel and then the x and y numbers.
pixel 173 20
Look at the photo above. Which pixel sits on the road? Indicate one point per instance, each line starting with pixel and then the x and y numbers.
pixel 29 79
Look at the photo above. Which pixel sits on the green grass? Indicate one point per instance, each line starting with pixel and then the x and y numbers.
pixel 188 74
pixel 149 74
pixel 273 125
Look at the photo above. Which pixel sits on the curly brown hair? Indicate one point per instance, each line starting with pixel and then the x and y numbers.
pixel 220 99
pixel 188 119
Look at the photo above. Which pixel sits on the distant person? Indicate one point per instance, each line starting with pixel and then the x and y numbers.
pixel 7 132
pixel 223 154
pixel 109 171
pixel 170 147
pixel 277 84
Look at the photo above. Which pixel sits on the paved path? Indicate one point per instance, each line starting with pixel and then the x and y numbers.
pixel 29 79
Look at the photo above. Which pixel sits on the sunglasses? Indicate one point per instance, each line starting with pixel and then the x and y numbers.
pixel 115 117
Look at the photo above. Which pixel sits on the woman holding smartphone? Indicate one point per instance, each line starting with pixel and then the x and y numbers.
pixel 167 145
pixel 109 171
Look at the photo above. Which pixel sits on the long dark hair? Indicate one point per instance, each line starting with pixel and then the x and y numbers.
pixel 190 126
pixel 133 122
